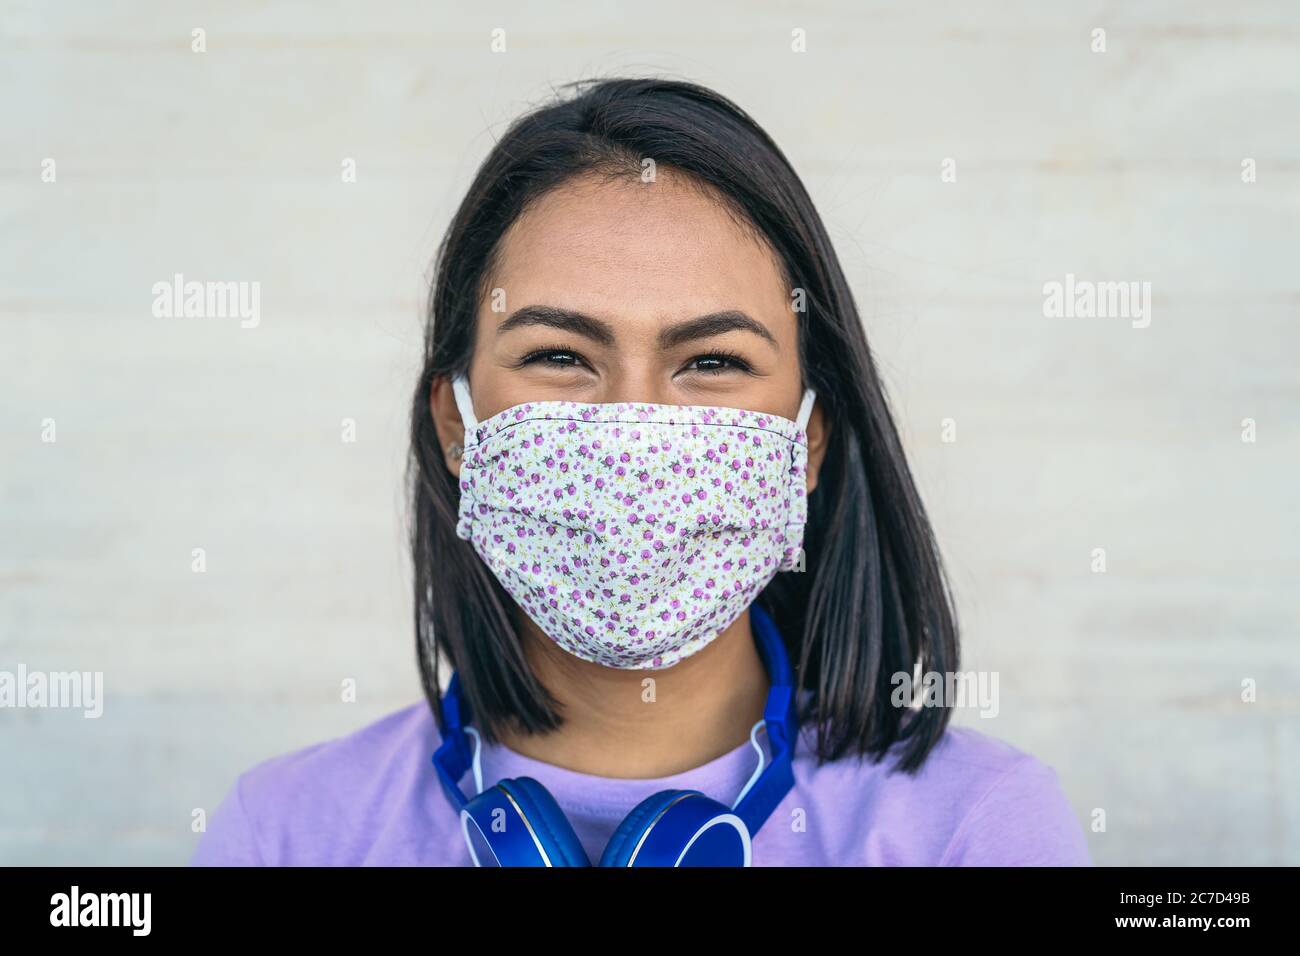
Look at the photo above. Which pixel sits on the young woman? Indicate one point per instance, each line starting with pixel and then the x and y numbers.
pixel 666 538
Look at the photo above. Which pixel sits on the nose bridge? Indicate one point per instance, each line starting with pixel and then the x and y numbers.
pixel 636 379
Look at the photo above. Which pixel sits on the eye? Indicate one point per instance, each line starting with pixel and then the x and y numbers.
pixel 552 356
pixel 714 363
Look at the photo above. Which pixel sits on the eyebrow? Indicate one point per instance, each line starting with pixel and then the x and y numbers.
pixel 700 327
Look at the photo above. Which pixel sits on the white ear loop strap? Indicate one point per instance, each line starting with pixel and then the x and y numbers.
pixel 805 408
pixel 460 388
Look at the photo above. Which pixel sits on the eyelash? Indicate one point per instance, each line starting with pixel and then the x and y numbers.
pixel 734 360
pixel 730 357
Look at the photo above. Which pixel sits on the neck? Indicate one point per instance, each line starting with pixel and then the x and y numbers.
pixel 646 723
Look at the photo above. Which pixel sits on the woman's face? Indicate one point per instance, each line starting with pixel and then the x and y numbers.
pixel 625 291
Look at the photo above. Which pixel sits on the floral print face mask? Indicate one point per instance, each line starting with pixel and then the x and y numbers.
pixel 633 534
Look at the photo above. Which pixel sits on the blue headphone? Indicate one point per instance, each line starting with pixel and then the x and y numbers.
pixel 669 828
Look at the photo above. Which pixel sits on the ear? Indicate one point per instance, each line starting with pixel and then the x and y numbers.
pixel 818 434
pixel 447 422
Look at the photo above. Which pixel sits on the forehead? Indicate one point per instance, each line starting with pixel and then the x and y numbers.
pixel 623 247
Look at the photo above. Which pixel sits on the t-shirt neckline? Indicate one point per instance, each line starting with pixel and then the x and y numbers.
pixel 722 778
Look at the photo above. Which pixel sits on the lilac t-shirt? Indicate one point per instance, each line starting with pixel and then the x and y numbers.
pixel 372 798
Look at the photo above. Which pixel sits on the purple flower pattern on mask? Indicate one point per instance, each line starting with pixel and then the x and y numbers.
pixel 633 534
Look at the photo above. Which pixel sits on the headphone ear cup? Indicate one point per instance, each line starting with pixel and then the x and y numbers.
pixel 548 822
pixel 679 828
pixel 489 843
pixel 623 842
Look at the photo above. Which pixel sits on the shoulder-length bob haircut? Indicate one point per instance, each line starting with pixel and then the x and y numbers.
pixel 872 601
